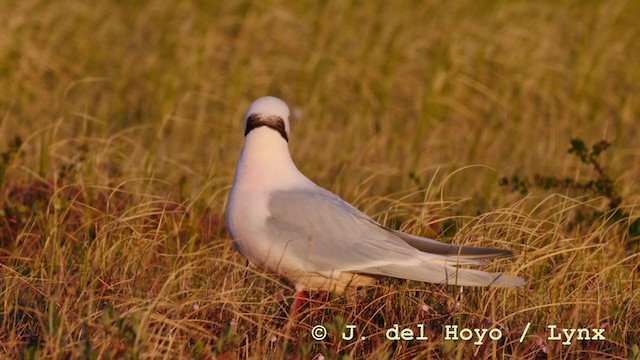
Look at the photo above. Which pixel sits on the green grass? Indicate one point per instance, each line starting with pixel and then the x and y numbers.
pixel 113 244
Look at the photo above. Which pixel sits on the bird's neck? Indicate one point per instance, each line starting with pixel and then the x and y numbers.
pixel 266 145
pixel 265 158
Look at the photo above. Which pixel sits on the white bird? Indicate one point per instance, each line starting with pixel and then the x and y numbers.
pixel 285 223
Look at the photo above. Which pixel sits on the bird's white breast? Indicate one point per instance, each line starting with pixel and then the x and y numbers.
pixel 261 170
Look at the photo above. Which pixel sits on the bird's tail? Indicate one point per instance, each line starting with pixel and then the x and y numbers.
pixel 440 273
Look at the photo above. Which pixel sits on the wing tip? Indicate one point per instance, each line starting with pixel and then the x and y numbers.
pixel 502 280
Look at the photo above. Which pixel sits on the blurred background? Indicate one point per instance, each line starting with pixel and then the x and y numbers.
pixel 159 88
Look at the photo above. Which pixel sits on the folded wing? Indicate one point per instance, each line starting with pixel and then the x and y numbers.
pixel 321 233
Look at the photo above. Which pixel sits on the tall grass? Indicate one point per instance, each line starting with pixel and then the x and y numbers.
pixel 130 114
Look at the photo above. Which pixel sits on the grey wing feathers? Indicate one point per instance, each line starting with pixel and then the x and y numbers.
pixel 436 247
pixel 323 233
pixel 446 274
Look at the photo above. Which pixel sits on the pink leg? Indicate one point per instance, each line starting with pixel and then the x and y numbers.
pixel 301 297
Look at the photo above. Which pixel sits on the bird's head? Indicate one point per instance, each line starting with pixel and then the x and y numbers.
pixel 268 111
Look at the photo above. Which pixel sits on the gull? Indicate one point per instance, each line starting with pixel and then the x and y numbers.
pixel 285 223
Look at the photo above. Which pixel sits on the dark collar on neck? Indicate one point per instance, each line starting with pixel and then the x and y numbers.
pixel 274 122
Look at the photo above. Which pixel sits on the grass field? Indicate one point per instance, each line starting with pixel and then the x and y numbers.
pixel 121 122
